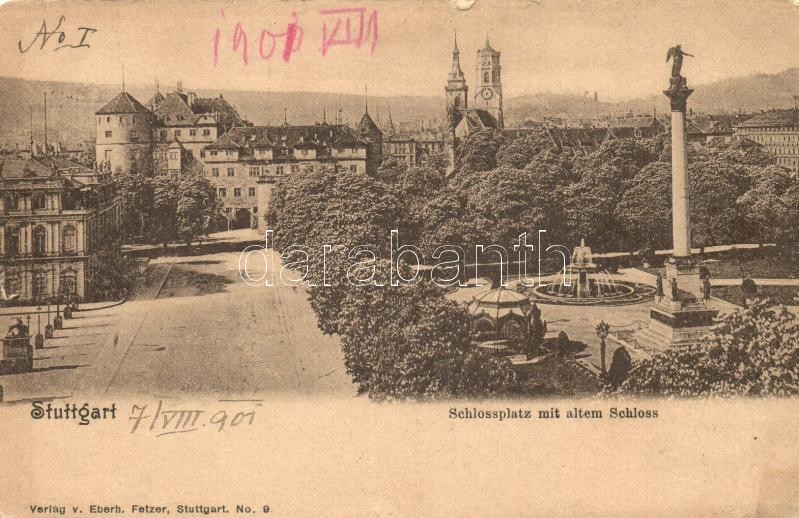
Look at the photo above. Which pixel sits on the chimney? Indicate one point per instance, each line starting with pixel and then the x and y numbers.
pixel 180 86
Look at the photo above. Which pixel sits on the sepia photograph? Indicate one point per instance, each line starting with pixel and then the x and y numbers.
pixel 425 218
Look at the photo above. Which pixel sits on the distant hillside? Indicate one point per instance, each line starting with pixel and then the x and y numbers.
pixel 71 105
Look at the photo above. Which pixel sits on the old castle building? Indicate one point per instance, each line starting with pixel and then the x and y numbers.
pixel 165 136
pixel 180 133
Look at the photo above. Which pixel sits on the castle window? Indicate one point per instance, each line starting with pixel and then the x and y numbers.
pixel 252 191
pixel 69 282
pixel 213 152
pixel 39 284
pixel 70 240
pixel 162 135
pixel 11 202
pixel 38 201
pixel 237 192
pixel 108 119
pixel 108 134
pixel 253 171
pixel 173 155
pixel 353 168
pixel 295 168
pixel 177 133
pixel 192 132
pixel 485 77
pixel 134 134
pixel 222 192
pixel 214 171
pixel 279 169
pixel 206 133
pixel 12 284
pixel 39 240
pixel 231 171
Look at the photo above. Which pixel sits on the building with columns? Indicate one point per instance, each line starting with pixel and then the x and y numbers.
pixel 55 216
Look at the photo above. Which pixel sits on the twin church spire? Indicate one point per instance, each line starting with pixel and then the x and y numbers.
pixel 487 96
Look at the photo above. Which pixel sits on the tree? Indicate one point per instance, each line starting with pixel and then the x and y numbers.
pixel 478 152
pixel 165 203
pixel 751 352
pixel 350 209
pixel 196 204
pixel 409 342
pixel 136 193
pixel 645 207
pixel 771 208
pixel 519 152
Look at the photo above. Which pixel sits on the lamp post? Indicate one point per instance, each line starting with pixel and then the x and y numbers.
pixel 602 331
pixel 39 340
pixel 68 308
pixel 58 322
pixel 48 329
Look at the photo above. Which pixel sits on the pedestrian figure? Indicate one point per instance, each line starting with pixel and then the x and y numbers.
pixel 705 290
pixel 659 284
pixel 674 290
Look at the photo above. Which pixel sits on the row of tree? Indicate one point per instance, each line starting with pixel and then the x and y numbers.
pixel 165 208
pixel 619 196
pixel 412 342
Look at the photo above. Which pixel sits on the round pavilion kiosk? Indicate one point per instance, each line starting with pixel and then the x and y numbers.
pixel 500 315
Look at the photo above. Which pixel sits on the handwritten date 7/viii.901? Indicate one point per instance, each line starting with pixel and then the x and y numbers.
pixel 44 36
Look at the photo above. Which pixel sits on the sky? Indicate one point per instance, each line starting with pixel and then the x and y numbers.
pixel 616 48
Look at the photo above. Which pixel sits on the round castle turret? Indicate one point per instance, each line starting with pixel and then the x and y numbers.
pixel 124 135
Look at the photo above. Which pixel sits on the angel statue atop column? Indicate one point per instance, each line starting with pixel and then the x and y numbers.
pixel 676 54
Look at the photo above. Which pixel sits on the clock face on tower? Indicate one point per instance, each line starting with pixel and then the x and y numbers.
pixel 486 94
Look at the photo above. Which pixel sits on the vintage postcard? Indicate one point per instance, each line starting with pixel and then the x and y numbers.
pixel 381 258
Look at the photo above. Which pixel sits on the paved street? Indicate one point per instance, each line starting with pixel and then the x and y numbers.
pixel 195 329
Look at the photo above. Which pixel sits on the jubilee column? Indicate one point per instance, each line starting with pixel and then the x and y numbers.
pixel 680 317
pixel 680 208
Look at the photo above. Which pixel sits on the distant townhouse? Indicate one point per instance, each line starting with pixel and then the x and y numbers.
pixel 778 131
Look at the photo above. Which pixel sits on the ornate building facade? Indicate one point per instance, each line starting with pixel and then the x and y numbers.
pixel 55 216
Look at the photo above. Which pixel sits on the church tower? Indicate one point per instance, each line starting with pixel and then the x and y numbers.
pixel 488 89
pixel 456 91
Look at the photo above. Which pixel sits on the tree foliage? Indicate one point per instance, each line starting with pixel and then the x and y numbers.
pixel 751 352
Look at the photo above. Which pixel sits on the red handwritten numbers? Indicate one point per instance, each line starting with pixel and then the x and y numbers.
pixel 340 27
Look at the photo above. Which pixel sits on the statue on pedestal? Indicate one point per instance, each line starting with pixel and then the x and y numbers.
pixel 676 54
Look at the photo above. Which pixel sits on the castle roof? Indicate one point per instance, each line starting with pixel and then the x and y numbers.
pixel 156 99
pixel 122 103
pixel 287 137
pixel 182 109
pixel 367 126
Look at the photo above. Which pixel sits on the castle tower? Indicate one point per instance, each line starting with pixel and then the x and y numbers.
pixel 456 92
pixel 124 135
pixel 488 89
